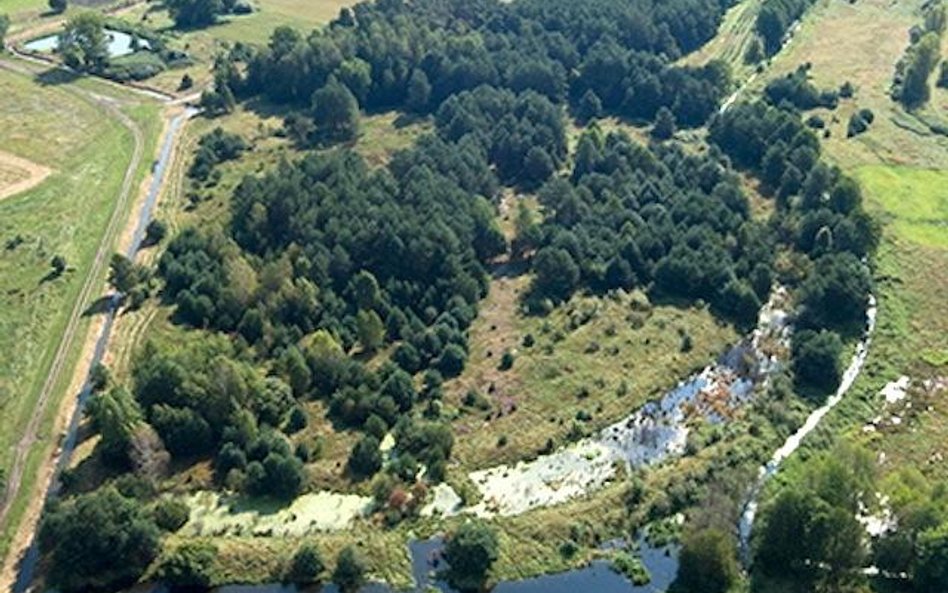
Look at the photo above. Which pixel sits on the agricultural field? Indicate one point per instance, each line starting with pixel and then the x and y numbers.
pixel 77 152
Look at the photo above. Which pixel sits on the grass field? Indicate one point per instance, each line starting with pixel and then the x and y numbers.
pixel 66 215
pixel 913 201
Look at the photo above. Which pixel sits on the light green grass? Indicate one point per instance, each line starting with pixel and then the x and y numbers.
pixel 913 201
pixel 67 215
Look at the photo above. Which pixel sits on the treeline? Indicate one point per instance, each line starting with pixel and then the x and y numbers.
pixel 393 54
pixel 775 19
pixel 665 219
pixel 910 86
pixel 820 212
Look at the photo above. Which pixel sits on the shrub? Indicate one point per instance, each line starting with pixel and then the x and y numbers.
pixel 350 570
pixel 307 565
pixel 170 514
pixel 506 361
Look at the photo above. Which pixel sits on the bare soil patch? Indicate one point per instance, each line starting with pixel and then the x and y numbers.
pixel 18 174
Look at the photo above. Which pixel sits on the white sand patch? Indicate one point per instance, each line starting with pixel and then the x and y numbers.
pixel 895 391
pixel 444 502
pixel 216 514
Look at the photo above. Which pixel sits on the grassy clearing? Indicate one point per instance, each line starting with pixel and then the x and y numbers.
pixel 594 361
pixel 265 560
pixel 66 215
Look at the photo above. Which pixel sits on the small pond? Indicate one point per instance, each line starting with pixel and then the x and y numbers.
pixel 120 43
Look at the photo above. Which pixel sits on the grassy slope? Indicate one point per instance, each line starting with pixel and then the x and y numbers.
pixel 65 215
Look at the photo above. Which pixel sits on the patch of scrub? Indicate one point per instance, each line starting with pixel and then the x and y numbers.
pixel 18 174
pixel 655 432
pixel 216 514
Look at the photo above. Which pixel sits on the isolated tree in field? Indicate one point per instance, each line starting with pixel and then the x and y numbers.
pixel 664 127
pixel 58 263
pixel 707 563
pixel 920 62
pixel 98 541
pixel 58 6
pixel 350 570
pixel 335 112
pixel 307 565
pixel 470 552
pixel 84 44
pixel 194 13
pixel 4 27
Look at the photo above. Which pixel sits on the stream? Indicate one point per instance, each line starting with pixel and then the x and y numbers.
pixel 28 564
pixel 793 442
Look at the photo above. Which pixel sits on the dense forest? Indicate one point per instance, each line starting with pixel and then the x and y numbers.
pixel 393 54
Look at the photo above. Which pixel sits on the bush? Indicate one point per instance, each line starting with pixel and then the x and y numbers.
pixel 190 565
pixel 632 568
pixel 506 360
pixel 365 459
pixel 470 553
pixel 350 570
pixel 170 514
pixel 155 232
pixel 307 565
